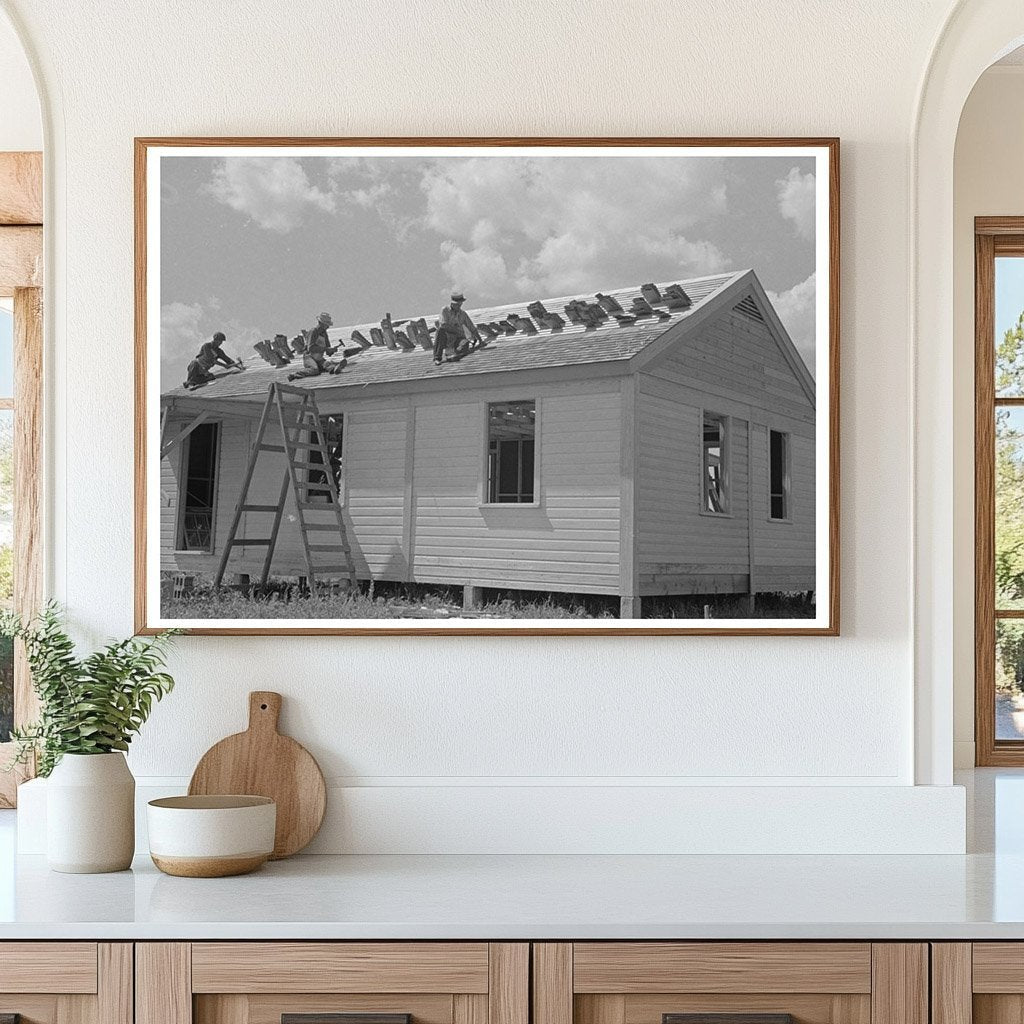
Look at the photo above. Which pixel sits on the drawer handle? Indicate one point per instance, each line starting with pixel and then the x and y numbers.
pixel 727 1018
pixel 339 1018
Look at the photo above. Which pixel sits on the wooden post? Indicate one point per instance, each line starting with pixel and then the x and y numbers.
pixel 630 606
pixel 471 595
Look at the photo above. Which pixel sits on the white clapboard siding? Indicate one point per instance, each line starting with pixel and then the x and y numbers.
pixel 373 469
pixel 785 550
pixel 674 538
pixel 734 361
pixel 569 543
pixel 732 366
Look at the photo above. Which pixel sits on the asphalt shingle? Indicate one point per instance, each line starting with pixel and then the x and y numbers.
pixel 572 345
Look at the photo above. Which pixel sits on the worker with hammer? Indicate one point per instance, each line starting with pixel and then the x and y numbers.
pixel 210 354
pixel 318 347
pixel 456 332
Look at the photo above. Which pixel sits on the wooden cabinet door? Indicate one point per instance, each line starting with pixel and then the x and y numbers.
pixel 730 983
pixel 66 982
pixel 332 983
pixel 978 983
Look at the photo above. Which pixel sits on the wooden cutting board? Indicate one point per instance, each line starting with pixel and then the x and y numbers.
pixel 262 762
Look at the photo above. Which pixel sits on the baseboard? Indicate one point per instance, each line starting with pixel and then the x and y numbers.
pixel 548 819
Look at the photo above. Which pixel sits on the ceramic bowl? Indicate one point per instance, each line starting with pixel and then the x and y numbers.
pixel 211 836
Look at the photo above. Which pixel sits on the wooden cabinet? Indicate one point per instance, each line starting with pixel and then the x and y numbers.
pixel 309 982
pixel 978 983
pixel 66 982
pixel 754 982
pixel 494 983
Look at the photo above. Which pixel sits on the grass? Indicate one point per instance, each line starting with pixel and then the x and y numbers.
pixel 418 601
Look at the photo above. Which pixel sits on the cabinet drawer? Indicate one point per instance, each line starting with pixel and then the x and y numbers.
pixel 730 983
pixel 749 967
pixel 64 967
pixel 340 967
pixel 333 983
pixel 66 982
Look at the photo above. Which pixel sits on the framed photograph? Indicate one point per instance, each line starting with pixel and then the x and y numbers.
pixel 500 386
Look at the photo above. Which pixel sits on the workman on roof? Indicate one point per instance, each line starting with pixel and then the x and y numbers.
pixel 456 332
pixel 210 354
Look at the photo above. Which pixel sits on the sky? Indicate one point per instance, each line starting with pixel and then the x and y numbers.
pixel 6 354
pixel 1009 293
pixel 255 246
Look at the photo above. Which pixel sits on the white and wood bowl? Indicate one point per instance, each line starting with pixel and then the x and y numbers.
pixel 211 836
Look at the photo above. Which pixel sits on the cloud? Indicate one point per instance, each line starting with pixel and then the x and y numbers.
pixel 185 326
pixel 481 270
pixel 796 309
pixel 797 200
pixel 274 192
pixel 571 221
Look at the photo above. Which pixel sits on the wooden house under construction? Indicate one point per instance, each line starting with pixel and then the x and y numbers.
pixel 655 440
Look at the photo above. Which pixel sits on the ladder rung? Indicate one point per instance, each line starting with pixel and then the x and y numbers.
pixel 257 508
pixel 320 527
pixel 298 463
pixel 327 547
pixel 271 448
pixel 263 541
pixel 303 444
pixel 317 506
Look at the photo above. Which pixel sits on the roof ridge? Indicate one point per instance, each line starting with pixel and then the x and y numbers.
pixel 521 305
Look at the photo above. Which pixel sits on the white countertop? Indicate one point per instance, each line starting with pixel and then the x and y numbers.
pixel 977 896
pixel 497 897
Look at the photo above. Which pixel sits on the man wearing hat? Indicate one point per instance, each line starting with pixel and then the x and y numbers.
pixel 318 347
pixel 455 331
pixel 210 354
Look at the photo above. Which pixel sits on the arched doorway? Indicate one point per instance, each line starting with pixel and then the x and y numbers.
pixel 975 35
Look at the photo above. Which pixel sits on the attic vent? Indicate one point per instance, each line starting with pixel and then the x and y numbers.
pixel 749 308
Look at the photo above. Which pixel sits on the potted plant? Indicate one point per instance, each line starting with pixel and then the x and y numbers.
pixel 89 710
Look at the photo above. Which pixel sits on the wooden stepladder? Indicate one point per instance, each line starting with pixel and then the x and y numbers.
pixel 302 431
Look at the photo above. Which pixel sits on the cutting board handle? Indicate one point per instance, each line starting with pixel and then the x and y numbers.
pixel 264 710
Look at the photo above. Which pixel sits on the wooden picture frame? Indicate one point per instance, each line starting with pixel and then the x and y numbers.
pixel 634 578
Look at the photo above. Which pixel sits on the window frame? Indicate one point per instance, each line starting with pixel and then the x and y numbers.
pixel 485 479
pixel 21 245
pixel 27 407
pixel 185 447
pixel 787 475
pixel 702 492
pixel 993 237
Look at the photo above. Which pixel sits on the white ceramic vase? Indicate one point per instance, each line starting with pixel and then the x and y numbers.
pixel 90 814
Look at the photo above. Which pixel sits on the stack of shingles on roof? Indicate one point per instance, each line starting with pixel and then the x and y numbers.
pixel 591 315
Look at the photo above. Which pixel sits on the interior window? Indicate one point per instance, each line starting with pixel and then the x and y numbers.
pixel 778 474
pixel 6 516
pixel 511 430
pixel 333 439
pixel 999 493
pixel 715 464
pixel 199 488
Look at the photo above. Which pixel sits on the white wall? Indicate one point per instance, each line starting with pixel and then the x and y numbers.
pixel 451 713
pixel 21 127
pixel 987 181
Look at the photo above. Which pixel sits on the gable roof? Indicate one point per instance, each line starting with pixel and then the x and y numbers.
pixel 572 345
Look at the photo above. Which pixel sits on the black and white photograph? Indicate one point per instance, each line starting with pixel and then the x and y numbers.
pixel 477 387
